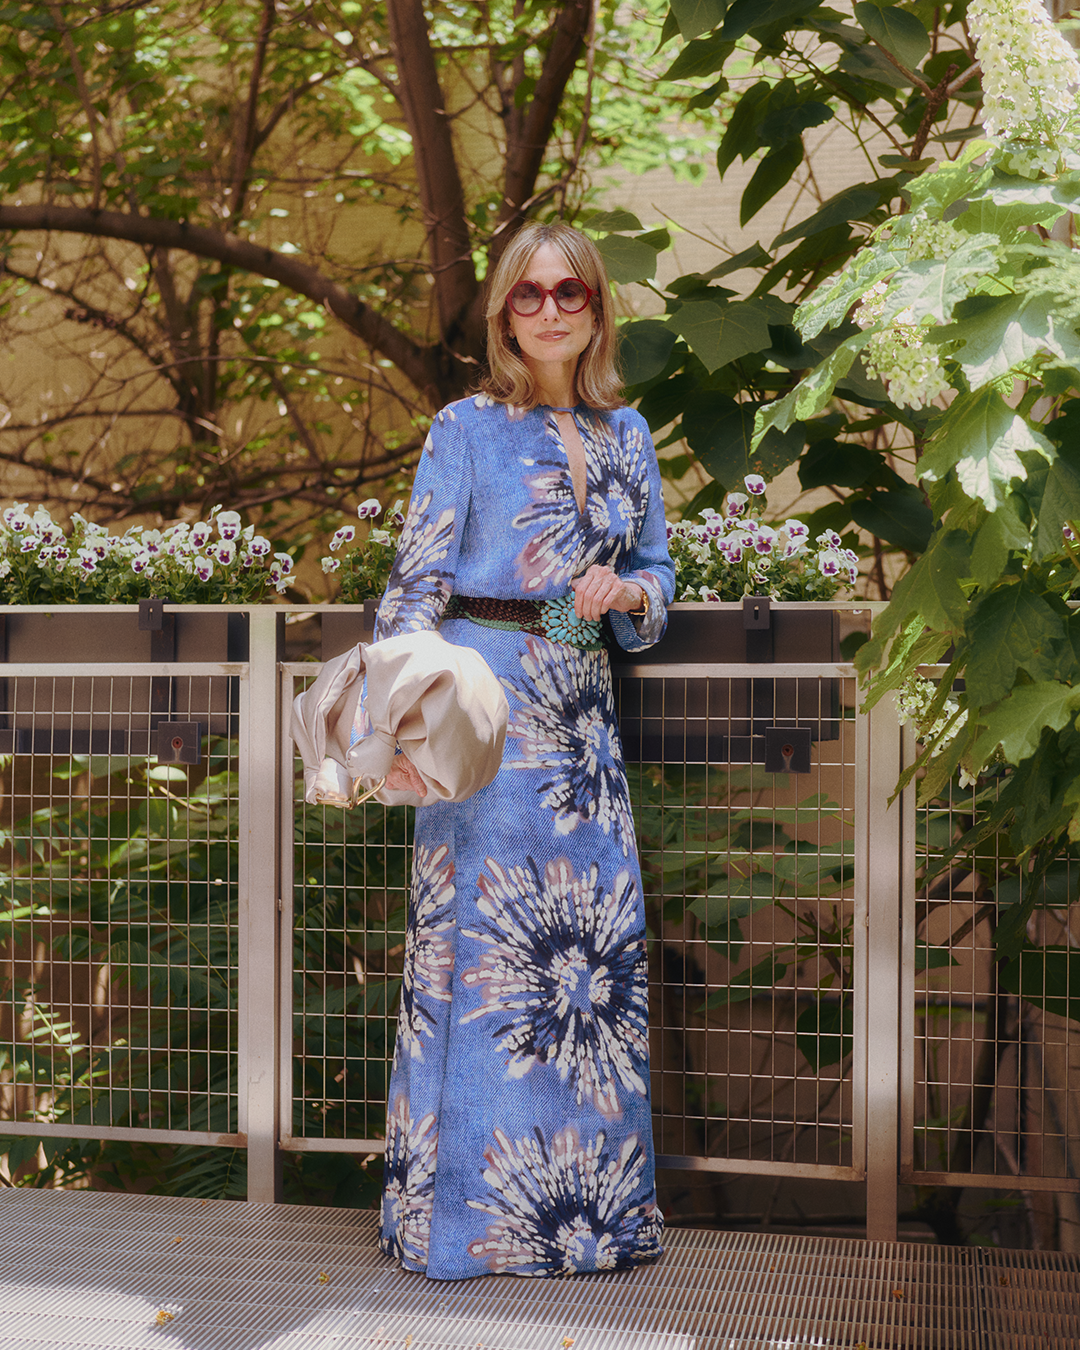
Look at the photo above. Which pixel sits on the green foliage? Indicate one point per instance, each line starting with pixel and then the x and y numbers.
pixel 134 876
pixel 796 68
pixel 714 855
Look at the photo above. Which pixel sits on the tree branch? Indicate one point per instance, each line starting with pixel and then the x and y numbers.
pixel 247 131
pixel 84 95
pixel 525 152
pixel 441 192
pixel 427 368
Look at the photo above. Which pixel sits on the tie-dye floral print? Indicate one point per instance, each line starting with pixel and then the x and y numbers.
pixel 519 1133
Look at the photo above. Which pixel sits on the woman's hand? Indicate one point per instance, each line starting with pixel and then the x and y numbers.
pixel 601 589
pixel 405 777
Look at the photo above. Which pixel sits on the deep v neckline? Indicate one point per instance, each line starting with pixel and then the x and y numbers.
pixel 580 507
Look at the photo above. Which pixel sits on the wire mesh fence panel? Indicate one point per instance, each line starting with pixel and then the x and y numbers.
pixel 350 872
pixel 118 930
pixel 748 872
pixel 996 1059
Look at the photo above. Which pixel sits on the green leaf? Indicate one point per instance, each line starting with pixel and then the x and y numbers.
pixel 786 123
pixel 932 588
pixel 627 260
pixel 745 15
pixel 769 177
pixel 1048 977
pixel 1000 533
pixel 1060 505
pixel 867 63
pixel 824 1032
pixel 812 393
pixel 719 431
pixel 695 17
pixel 899 516
pixel 1011 629
pixel 932 958
pixel 897 30
pixel 830 306
pixel 1000 333
pixel 851 204
pixel 742 987
pixel 644 349
pixel 1007 204
pixel 931 287
pixel 741 138
pixel 719 334
pixel 1017 723
pixel 831 463
pixel 703 56
pixel 1058 888
pixel 612 222
pixel 982 439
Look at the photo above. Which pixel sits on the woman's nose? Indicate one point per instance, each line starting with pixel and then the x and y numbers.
pixel 549 308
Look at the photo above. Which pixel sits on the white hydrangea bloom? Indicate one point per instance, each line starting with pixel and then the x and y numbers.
pixel 1029 78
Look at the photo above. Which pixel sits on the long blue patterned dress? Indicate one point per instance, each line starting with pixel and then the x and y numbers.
pixel 519 1134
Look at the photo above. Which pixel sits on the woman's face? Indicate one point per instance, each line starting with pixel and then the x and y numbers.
pixel 550 335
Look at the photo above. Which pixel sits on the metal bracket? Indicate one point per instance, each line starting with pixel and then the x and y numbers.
pixel 787 749
pixel 755 611
pixel 151 615
pixel 179 742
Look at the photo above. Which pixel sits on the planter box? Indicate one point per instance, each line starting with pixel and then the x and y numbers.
pixel 119 714
pixel 721 720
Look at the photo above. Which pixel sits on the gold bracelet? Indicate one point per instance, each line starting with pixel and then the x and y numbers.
pixel 644 610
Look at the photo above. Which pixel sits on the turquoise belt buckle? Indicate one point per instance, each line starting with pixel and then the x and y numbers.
pixel 562 624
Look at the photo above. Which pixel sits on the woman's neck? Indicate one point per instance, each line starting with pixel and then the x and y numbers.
pixel 556 389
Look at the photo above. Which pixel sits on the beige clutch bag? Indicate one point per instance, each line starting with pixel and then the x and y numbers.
pixel 440 703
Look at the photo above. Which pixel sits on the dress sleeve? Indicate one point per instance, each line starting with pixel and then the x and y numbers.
pixel 422 579
pixel 650 566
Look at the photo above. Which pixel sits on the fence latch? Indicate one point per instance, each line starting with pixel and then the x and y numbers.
pixel 787 749
pixel 179 742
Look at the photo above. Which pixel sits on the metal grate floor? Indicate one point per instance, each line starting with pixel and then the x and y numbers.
pixel 90 1269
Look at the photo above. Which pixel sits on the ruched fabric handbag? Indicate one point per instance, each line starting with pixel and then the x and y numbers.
pixel 439 703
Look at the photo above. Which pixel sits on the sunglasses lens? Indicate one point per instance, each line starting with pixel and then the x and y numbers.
pixel 571 296
pixel 526 298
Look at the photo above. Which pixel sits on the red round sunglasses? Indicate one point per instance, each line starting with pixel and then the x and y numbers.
pixel 571 295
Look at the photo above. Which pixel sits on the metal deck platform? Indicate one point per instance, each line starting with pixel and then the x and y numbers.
pixel 91 1269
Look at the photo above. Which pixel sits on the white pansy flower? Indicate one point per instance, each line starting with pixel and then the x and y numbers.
pixel 229 525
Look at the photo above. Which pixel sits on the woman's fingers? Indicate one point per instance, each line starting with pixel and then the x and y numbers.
pixel 404 776
pixel 600 589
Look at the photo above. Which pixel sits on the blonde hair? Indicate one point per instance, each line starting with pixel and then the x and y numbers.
pixel 597 381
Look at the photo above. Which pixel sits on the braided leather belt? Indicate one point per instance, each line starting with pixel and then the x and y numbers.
pixel 552 619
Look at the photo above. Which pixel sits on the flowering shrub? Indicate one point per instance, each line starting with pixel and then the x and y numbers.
pixel 724 557
pixel 734 553
pixel 1029 78
pixel 216 561
pixel 363 572
pixel 970 283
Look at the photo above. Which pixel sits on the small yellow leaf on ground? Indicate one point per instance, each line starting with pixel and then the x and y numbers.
pixel 898 1294
pixel 163 1317
pixel 323 1277
pixel 567 1341
pixel 177 1241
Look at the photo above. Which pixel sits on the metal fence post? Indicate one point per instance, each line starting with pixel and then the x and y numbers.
pixel 259 852
pixel 883 846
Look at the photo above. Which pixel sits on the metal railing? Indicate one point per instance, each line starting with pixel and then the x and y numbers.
pixel 190 955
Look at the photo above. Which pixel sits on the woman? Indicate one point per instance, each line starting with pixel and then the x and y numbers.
pixel 519 1130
